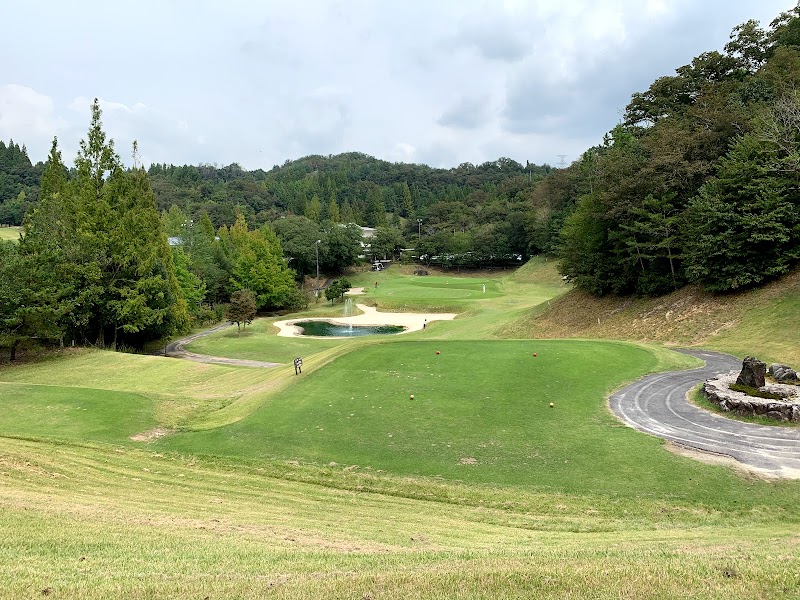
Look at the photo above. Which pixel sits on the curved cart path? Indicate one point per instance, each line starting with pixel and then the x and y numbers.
pixel 657 405
pixel 176 350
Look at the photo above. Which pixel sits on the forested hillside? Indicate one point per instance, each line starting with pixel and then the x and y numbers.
pixel 95 266
pixel 482 210
pixel 700 181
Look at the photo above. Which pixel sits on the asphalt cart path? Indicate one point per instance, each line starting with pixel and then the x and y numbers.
pixel 176 350
pixel 657 405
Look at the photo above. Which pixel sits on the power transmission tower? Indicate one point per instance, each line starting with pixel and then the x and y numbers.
pixel 561 163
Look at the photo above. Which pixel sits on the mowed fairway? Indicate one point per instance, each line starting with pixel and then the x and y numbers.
pixel 428 290
pixel 10 233
pixel 337 484
pixel 480 413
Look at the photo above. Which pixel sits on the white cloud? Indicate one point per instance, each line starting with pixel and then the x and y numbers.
pixel 258 83
pixel 402 152
pixel 29 118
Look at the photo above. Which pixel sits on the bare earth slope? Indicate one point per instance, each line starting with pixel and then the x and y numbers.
pixel 763 321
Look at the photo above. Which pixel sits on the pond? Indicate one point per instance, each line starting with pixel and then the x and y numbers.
pixel 328 329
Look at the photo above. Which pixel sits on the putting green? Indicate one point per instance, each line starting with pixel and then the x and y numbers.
pixel 396 289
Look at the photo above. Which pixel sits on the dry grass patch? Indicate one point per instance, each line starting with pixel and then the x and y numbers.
pixel 760 321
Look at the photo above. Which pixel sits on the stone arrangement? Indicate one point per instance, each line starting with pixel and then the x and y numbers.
pixel 787 408
pixel 782 373
pixel 752 373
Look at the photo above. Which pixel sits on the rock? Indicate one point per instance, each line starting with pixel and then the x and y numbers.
pixel 782 373
pixel 718 391
pixel 753 373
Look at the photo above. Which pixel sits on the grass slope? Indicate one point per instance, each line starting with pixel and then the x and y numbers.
pixel 94 523
pixel 762 322
pixel 178 391
pixel 480 414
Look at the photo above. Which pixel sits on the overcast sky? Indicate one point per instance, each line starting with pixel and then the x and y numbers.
pixel 433 81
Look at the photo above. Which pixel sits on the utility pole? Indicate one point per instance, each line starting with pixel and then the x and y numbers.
pixel 317 246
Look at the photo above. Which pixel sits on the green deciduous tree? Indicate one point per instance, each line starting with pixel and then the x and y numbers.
pixel 191 287
pixel 386 243
pixel 298 236
pixel 340 248
pixel 242 308
pixel 337 289
pixel 259 266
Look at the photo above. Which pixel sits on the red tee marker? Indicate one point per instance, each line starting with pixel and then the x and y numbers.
pixel 534 353
pixel 437 352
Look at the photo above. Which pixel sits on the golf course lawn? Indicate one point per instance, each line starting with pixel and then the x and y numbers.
pixel 74 414
pixel 10 233
pixel 338 484
pixel 260 341
pixel 480 414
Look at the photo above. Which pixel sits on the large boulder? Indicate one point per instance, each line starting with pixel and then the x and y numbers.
pixel 782 373
pixel 753 373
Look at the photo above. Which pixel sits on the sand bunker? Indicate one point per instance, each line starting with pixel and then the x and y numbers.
pixel 370 316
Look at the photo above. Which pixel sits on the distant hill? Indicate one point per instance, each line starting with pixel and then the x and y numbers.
pixel 367 189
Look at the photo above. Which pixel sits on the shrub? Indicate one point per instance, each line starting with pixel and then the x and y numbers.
pixel 755 392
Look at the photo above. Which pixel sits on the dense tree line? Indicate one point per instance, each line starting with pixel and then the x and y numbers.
pixel 94 265
pixel 699 183
pixel 478 213
pixel 19 183
pixel 471 215
pixel 351 187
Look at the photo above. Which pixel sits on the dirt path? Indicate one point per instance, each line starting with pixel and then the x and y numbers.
pixel 658 405
pixel 176 350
